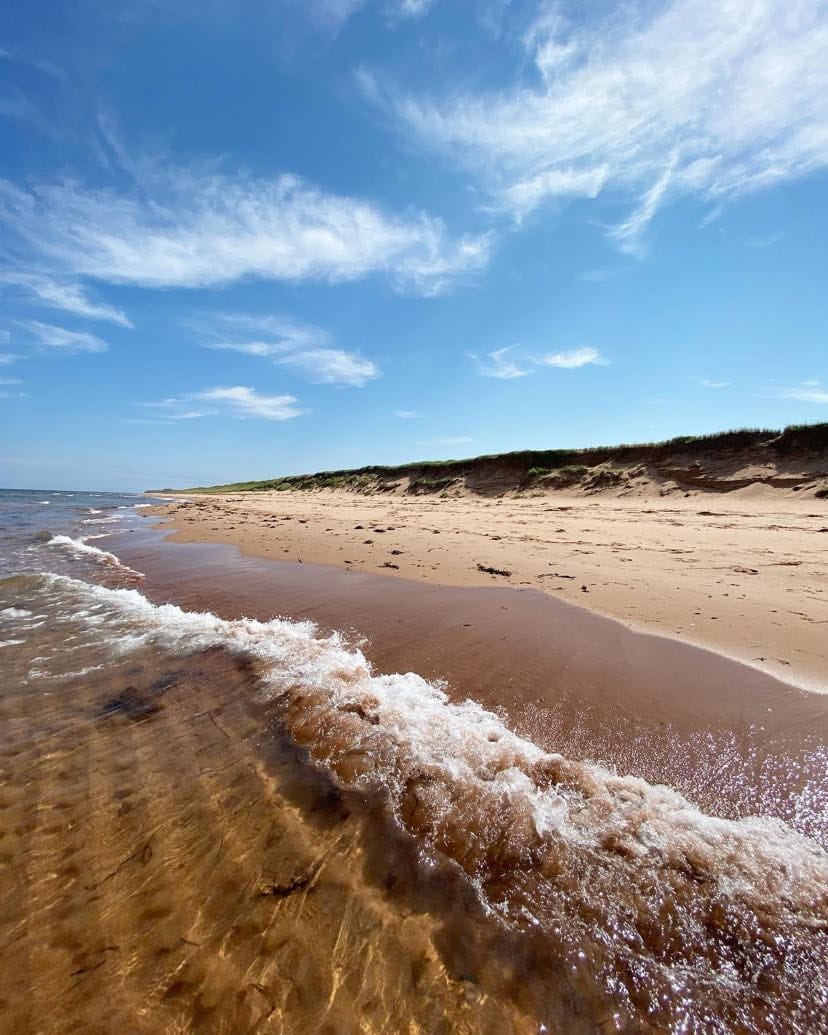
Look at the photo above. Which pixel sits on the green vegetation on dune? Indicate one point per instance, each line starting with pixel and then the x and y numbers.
pixel 527 467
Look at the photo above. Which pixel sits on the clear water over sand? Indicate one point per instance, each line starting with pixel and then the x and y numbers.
pixel 223 824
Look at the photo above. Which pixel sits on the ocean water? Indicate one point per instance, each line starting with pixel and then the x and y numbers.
pixel 222 824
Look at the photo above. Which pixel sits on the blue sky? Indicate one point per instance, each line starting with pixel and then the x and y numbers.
pixel 243 238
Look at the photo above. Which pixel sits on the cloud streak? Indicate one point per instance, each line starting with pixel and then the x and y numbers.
pixel 50 336
pixel 500 364
pixel 235 401
pixel 64 295
pixel 305 348
pixel 706 382
pixel 190 229
pixel 646 104
pixel 572 359
pixel 810 395
pixel 333 366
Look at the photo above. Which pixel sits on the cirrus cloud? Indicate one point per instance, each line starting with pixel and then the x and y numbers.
pixel 308 349
pixel 811 394
pixel 648 102
pixel 51 336
pixel 500 364
pixel 190 229
pixel 497 364
pixel 572 359
pixel 236 401
pixel 61 294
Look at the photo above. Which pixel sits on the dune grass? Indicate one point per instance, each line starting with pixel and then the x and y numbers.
pixel 529 465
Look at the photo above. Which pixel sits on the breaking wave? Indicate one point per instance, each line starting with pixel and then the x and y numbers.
pixel 81 548
pixel 654 884
pixel 681 919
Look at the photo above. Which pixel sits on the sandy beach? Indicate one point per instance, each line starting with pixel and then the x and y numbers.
pixel 744 573
pixel 270 793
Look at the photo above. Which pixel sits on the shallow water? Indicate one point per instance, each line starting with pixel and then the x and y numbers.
pixel 223 824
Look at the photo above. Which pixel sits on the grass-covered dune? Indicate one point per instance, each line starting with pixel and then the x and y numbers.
pixel 707 461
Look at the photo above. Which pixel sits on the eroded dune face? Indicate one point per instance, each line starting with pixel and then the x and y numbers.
pixel 617 891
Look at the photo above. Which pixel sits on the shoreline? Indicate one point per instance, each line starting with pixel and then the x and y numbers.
pixel 747 578
pixel 482 811
pixel 735 740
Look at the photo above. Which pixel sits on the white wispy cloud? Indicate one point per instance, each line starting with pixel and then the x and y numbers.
pixel 333 366
pixel 329 15
pixel 406 414
pixel 644 103
pixel 500 363
pixel 7 358
pixel 61 294
pixel 629 233
pixel 49 335
pixel 303 347
pixel 195 228
pixel 235 401
pixel 705 382
pixel 16 105
pixel 10 381
pixel 497 364
pixel 763 242
pixel 247 402
pixel 811 395
pixel 414 8
pixel 572 359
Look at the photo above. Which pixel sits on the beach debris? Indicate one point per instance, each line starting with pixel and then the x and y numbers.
pixel 143 855
pixel 135 704
pixel 493 571
pixel 388 564
pixel 283 890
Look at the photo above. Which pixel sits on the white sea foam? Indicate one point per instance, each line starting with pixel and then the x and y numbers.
pixel 455 773
pixel 10 643
pixel 15 612
pixel 81 548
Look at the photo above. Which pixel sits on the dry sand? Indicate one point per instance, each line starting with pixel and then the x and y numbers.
pixel 745 573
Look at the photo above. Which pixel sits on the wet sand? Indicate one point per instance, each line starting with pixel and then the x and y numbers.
pixel 735 739
pixel 745 573
pixel 171 859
